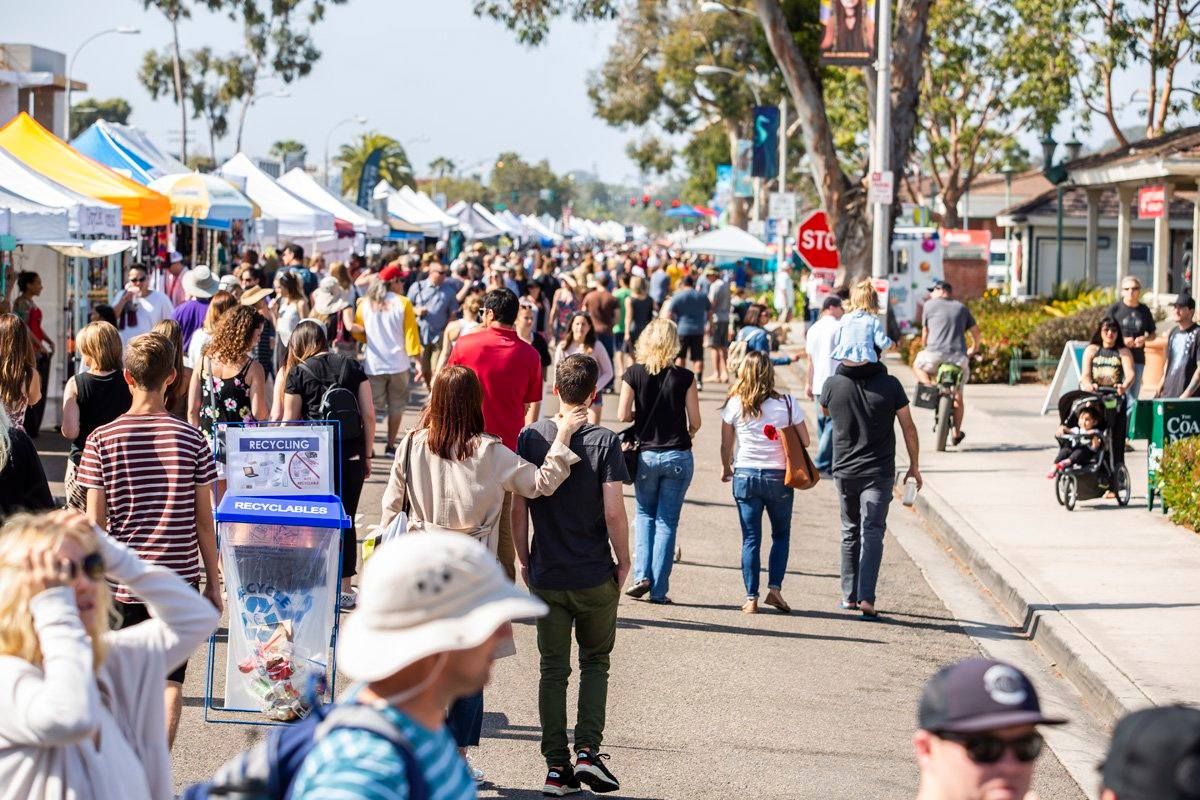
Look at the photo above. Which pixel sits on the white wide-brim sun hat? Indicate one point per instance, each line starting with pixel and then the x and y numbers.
pixel 427 593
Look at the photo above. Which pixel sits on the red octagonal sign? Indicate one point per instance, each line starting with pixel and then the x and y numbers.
pixel 815 243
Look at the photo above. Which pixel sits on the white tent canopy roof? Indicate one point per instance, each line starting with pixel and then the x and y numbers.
pixel 728 242
pixel 421 201
pixel 87 216
pixel 298 218
pixel 304 185
pixel 473 224
pixel 400 206
pixel 33 223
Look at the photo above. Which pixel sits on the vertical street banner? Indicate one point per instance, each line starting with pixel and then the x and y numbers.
pixel 743 185
pixel 723 193
pixel 849 32
pixel 369 177
pixel 765 161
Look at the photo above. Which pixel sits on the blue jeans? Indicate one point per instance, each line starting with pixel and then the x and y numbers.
pixel 1135 389
pixel 662 480
pixel 865 504
pixel 824 459
pixel 465 720
pixel 756 490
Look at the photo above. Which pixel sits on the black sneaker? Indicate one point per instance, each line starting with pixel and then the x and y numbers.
pixel 560 781
pixel 589 768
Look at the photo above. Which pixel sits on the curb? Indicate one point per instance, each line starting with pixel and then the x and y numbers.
pixel 1108 690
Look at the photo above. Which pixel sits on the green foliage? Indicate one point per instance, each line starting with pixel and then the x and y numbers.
pixel 114 109
pixel 527 188
pixel 531 20
pixel 287 147
pixel 442 167
pixel 1003 325
pixel 1084 299
pixel 1053 334
pixel 1179 481
pixel 701 155
pixel 652 155
pixel 394 167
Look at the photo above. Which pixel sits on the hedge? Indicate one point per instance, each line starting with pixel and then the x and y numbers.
pixel 1179 481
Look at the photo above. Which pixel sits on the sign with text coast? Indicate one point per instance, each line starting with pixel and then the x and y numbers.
pixel 815 243
pixel 291 460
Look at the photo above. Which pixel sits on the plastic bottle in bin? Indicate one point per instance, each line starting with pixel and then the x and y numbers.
pixel 910 491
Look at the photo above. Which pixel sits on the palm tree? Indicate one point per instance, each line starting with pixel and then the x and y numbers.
pixel 442 166
pixel 287 147
pixel 394 166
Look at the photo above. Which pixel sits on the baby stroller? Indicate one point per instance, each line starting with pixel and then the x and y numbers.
pixel 1107 472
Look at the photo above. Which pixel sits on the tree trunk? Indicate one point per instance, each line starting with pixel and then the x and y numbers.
pixel 177 68
pixel 739 212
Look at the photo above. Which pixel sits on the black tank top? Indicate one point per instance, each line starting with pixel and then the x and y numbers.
pixel 101 399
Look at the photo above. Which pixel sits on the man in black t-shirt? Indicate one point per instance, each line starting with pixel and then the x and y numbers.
pixel 570 567
pixel 863 404
pixel 1137 327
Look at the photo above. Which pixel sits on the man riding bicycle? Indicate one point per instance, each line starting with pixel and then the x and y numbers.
pixel 945 323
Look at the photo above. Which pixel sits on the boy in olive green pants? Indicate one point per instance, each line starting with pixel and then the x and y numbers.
pixel 570 566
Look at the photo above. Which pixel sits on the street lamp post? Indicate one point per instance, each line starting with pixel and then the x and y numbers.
pixel 358 119
pixel 881 230
pixel 1057 174
pixel 1008 171
pixel 123 29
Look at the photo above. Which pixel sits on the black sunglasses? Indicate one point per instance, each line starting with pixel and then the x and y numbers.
pixel 984 748
pixel 92 566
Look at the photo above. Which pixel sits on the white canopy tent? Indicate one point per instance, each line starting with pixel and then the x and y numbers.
pixel 299 220
pixel 135 139
pixel 33 223
pixel 728 242
pixel 539 228
pixel 86 216
pixel 473 224
pixel 304 185
pixel 421 201
pixel 400 206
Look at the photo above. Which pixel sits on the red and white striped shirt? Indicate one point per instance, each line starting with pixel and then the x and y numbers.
pixel 149 467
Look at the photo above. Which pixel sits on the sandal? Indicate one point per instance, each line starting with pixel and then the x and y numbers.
pixel 661 601
pixel 638 590
pixel 867 609
pixel 846 605
pixel 750 606
pixel 775 600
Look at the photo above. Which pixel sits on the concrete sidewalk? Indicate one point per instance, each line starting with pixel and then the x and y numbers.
pixel 1109 593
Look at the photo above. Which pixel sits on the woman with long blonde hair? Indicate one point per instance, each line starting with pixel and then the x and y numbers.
pixel 753 418
pixel 83 705
pixel 663 403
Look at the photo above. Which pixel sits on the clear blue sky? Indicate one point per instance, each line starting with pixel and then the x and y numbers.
pixel 417 69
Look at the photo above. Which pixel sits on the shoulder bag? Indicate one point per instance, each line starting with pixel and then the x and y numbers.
pixel 801 472
pixel 399 524
pixel 631 441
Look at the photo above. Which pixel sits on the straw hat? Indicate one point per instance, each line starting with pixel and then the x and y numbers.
pixel 200 282
pixel 430 593
pixel 330 297
pixel 252 297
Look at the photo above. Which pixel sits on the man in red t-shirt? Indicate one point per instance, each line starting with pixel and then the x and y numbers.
pixel 511 373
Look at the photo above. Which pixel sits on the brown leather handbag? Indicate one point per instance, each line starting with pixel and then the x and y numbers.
pixel 801 472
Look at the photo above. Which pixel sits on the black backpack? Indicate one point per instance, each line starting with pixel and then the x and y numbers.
pixel 339 404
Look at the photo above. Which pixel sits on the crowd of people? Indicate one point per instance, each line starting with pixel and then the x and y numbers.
pixel 489 487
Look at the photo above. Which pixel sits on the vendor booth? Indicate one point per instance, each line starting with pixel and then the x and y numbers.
pixel 299 221
pixel 204 201
pixel 362 223
pixel 474 225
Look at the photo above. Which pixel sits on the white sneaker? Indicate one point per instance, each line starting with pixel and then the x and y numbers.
pixel 348 600
pixel 477 774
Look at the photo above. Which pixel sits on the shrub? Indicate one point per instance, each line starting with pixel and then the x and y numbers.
pixel 1179 481
pixel 1053 334
pixel 1092 298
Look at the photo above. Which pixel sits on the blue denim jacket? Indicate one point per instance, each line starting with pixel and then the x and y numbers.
pixel 859 337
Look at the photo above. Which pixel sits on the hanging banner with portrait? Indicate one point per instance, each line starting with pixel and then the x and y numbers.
pixel 743 179
pixel 849 32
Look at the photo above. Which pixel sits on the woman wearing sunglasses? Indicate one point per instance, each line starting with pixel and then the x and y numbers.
pixel 83 705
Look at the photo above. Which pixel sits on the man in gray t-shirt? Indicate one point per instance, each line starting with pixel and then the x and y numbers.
pixel 945 324
pixel 718 330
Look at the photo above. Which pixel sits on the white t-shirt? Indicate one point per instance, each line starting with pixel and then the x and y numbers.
pixel 151 310
pixel 755 447
pixel 386 354
pixel 818 343
pixel 196 348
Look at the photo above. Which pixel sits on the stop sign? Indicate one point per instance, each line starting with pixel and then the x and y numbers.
pixel 815 243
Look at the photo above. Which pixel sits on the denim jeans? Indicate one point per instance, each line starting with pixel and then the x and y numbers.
pixel 1135 389
pixel 865 504
pixel 465 720
pixel 592 613
pixel 756 490
pixel 824 459
pixel 662 480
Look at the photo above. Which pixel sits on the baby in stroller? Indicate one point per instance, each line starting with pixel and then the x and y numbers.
pixel 1080 445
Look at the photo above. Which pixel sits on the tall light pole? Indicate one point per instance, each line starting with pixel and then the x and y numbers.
pixel 880 239
pixel 357 119
pixel 1057 174
pixel 123 29
pixel 1008 171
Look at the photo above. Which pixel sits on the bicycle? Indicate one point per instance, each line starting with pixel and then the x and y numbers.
pixel 939 396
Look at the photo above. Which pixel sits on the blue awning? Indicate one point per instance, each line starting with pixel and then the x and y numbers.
pixel 315 512
pixel 99 146
pixel 210 224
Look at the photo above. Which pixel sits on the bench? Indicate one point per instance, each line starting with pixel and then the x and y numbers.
pixel 1044 364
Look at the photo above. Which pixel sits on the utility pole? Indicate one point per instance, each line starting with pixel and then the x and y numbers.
pixel 782 223
pixel 883 137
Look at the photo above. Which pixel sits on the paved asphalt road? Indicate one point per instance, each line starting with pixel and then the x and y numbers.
pixel 706 702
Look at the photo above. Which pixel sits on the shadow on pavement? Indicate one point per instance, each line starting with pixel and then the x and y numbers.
pixel 708 627
pixel 738 568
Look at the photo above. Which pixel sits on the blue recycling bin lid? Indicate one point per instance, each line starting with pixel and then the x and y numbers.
pixel 315 512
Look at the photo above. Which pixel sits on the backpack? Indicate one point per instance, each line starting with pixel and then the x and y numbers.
pixel 339 404
pixel 267 770
pixel 735 355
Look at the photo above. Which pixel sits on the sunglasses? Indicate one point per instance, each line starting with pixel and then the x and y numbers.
pixel 92 565
pixel 983 748
pixel 137 280
pixel 1130 289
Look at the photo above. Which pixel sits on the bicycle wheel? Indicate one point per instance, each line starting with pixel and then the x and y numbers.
pixel 945 414
pixel 1123 486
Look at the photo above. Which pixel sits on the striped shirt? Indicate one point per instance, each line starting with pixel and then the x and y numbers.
pixel 351 764
pixel 149 467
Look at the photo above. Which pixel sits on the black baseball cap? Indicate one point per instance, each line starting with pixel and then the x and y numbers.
pixel 833 301
pixel 941 284
pixel 979 694
pixel 1185 299
pixel 1155 755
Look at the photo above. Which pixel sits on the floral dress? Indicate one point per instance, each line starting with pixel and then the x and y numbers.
pixel 223 400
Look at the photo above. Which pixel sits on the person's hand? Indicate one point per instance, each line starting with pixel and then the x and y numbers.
pixel 422 311
pixel 45 570
pixel 367 466
pixel 621 572
pixel 133 289
pixel 726 474
pixel 213 593
pixel 571 422
pixel 808 392
pixel 48 347
pixel 524 570
pixel 915 474
pixel 1087 385
pixel 971 351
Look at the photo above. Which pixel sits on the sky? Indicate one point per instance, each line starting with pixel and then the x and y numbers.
pixel 426 72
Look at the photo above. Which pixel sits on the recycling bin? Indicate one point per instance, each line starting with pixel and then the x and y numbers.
pixel 1160 422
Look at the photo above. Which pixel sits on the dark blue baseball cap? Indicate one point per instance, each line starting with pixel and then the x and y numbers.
pixel 1155 755
pixel 980 694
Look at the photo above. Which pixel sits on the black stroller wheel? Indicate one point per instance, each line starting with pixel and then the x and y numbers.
pixel 1060 488
pixel 1070 492
pixel 1123 486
